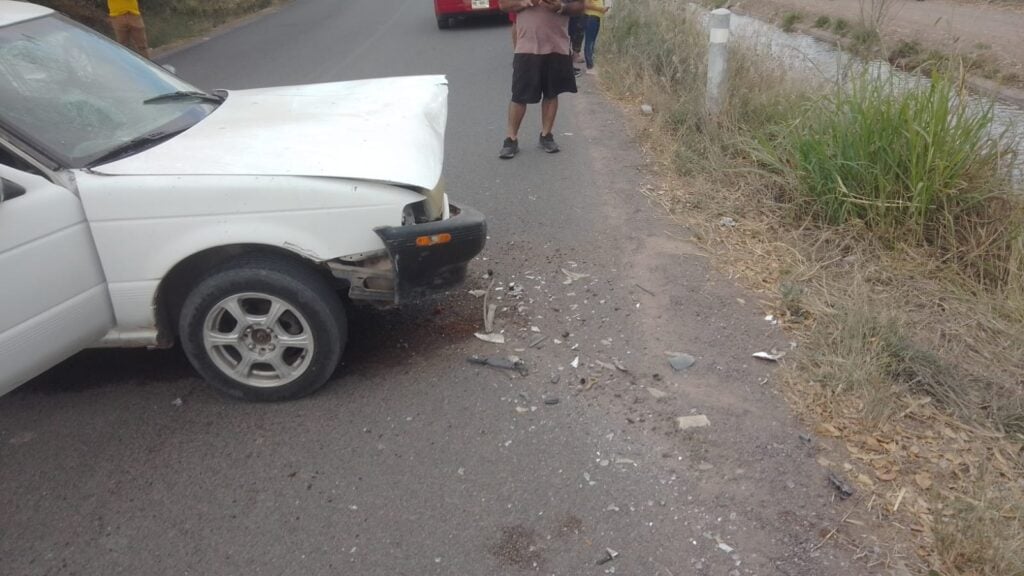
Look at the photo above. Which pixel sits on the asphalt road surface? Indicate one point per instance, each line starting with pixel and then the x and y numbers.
pixel 414 461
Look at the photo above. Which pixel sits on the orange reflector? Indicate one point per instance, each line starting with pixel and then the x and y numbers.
pixel 424 241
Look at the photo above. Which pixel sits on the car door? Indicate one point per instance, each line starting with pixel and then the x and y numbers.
pixel 53 294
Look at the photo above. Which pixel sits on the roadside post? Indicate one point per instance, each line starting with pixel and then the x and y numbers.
pixel 718 61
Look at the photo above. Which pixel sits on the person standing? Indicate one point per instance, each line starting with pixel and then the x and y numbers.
pixel 541 67
pixel 593 12
pixel 130 30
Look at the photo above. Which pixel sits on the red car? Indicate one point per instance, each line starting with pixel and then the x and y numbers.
pixel 447 11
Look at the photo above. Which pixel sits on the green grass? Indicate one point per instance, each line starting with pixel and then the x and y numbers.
pixel 790 20
pixel 912 164
pixel 823 22
pixel 840 27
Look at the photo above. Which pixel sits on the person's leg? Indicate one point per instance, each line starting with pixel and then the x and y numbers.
pixel 516 113
pixel 593 28
pixel 140 43
pixel 122 31
pixel 548 111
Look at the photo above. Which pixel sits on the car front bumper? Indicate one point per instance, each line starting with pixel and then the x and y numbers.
pixel 433 256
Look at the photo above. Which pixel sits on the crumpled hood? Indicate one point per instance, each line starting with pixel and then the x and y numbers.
pixel 388 130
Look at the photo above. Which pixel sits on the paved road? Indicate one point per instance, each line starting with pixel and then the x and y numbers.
pixel 413 461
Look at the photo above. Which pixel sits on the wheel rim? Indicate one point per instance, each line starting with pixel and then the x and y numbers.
pixel 258 340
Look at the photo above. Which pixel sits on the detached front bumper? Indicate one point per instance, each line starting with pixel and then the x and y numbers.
pixel 423 258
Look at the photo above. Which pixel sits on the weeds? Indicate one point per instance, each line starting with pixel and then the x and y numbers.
pixel 882 215
pixel 790 20
pixel 823 22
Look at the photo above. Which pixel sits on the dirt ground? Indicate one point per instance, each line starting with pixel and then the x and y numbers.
pixel 950 26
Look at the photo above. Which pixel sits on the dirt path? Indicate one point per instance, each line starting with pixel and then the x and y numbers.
pixel 992 31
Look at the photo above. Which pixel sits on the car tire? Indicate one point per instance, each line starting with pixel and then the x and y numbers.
pixel 264 329
pixel 444 23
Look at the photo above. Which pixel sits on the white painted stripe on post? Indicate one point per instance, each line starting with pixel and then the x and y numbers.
pixel 719 35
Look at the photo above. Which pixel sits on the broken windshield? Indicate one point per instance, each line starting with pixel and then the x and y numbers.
pixel 77 96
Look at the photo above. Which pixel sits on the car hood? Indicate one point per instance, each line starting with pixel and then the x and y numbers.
pixel 387 130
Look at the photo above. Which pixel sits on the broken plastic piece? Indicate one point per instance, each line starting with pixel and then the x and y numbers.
pixel 492 338
pixel 571 277
pixel 502 362
pixel 773 356
pixel 609 555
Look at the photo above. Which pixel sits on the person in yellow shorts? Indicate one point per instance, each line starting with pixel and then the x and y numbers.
pixel 130 30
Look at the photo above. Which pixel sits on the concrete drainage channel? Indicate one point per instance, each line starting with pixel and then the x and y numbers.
pixel 808 55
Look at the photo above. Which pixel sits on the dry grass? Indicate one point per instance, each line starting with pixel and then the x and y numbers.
pixel 904 356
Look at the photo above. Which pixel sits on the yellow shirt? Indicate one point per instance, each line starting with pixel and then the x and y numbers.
pixel 594 8
pixel 121 7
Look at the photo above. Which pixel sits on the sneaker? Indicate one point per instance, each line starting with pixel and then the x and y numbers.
pixel 509 149
pixel 592 71
pixel 548 143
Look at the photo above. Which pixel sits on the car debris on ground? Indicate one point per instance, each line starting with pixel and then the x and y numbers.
pixel 688 422
pixel 844 489
pixel 501 362
pixel 773 356
pixel 609 555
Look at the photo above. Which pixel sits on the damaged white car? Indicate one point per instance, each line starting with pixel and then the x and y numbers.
pixel 137 210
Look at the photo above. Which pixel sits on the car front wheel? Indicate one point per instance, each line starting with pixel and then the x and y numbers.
pixel 264 329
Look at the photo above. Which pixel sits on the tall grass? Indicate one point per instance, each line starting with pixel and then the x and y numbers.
pixel 912 162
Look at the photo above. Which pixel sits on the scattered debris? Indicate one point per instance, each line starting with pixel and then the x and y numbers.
pixel 575 362
pixel 535 329
pixel 625 461
pixel 537 340
pixel 644 289
pixel 605 365
pixel 177 402
pixel 658 394
pixel 478 293
pixel 492 338
pixel 681 362
pixel 551 401
pixel 618 364
pixel 646 109
pixel 612 508
pixel 806 439
pixel 502 362
pixel 687 422
pixel 704 466
pixel 489 311
pixel 603 463
pixel 773 356
pixel 556 378
pixel 609 555
pixel 844 489
pixel 771 320
pixel 727 222
pixel 725 547
pixel 571 277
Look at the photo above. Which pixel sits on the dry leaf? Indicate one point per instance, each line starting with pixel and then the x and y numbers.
pixel 924 480
pixel 887 476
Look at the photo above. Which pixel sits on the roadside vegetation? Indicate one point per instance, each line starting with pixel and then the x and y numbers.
pixel 881 222
pixel 167 21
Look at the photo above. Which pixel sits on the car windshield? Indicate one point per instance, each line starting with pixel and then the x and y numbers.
pixel 79 98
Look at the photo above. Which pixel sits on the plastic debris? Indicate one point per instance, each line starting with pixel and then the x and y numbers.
pixel 609 555
pixel 537 340
pixel 773 356
pixel 605 365
pixel 658 394
pixel 680 362
pixel 177 402
pixel 688 422
pixel 492 338
pixel 489 317
pixel 844 489
pixel 575 362
pixel 727 222
pixel 551 401
pixel 571 277
pixel 771 320
pixel 502 362
pixel 618 364
pixel 478 293
pixel 646 109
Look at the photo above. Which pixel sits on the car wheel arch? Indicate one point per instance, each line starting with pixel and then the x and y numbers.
pixel 187 273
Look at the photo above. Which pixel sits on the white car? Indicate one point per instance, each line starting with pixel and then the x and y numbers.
pixel 137 210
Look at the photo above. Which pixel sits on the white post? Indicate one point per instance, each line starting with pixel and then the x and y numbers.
pixel 718 61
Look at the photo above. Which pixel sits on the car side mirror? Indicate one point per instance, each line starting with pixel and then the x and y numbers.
pixel 10 190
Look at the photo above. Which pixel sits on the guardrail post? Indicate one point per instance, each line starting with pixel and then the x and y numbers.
pixel 718 61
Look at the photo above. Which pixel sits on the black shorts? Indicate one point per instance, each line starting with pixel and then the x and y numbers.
pixel 536 75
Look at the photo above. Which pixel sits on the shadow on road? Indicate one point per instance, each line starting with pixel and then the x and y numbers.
pixel 379 340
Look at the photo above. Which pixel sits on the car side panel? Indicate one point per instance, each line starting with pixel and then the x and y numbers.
pixel 145 225
pixel 462 7
pixel 53 295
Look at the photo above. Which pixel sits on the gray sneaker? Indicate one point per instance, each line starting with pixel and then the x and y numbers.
pixel 548 143
pixel 509 149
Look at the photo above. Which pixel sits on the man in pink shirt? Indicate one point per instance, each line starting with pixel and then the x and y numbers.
pixel 541 67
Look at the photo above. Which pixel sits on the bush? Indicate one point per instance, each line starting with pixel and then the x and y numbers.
pixel 823 22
